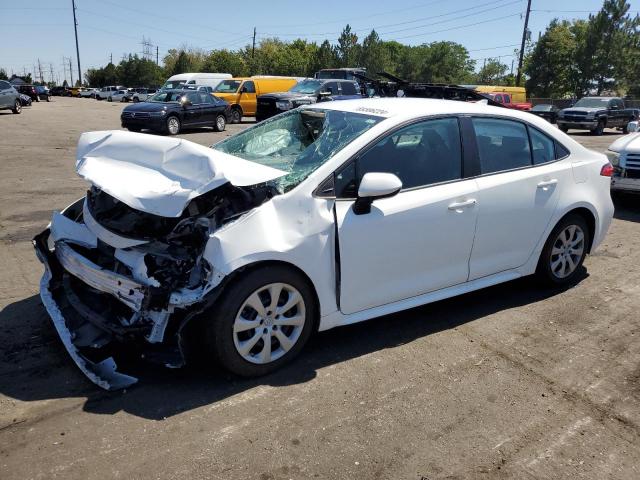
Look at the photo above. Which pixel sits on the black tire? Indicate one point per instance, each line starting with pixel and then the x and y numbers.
pixel 544 271
pixel 599 130
pixel 168 128
pixel 219 333
pixel 236 115
pixel 37 98
pixel 564 129
pixel 136 99
pixel 17 107
pixel 220 123
pixel 134 129
pixel 625 129
pixel 110 99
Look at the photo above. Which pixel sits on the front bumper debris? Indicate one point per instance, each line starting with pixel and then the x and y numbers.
pixel 104 372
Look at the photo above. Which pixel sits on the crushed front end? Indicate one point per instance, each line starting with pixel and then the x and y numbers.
pixel 117 278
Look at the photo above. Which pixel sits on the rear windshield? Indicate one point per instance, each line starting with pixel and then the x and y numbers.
pixel 542 108
pixel 228 86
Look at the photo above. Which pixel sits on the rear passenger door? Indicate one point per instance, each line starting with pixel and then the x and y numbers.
pixel 518 190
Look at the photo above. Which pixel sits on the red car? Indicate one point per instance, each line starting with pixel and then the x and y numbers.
pixel 506 100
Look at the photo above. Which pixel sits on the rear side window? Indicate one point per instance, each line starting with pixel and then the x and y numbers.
pixel 4 85
pixel 543 148
pixel 502 144
pixel 348 88
pixel 561 151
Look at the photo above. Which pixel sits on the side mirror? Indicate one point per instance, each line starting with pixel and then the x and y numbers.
pixel 374 186
pixel 324 93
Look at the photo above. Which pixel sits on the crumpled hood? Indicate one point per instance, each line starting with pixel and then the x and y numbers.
pixel 629 143
pixel 160 175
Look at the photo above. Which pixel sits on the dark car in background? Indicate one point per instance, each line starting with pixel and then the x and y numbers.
pixel 60 92
pixel 28 90
pixel 305 93
pixel 546 111
pixel 595 114
pixel 169 111
pixel 9 97
pixel 25 100
pixel 42 93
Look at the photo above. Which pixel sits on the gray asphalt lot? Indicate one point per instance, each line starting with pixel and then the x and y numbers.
pixel 509 382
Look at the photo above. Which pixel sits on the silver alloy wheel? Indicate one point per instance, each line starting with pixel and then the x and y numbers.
pixel 269 323
pixel 220 123
pixel 18 106
pixel 567 251
pixel 173 125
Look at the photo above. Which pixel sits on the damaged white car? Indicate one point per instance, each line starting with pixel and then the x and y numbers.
pixel 322 216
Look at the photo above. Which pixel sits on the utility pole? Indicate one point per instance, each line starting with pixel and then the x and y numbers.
pixel 71 71
pixel 111 57
pixel 75 28
pixel 157 63
pixel 524 38
pixel 51 73
pixel 40 71
pixel 253 48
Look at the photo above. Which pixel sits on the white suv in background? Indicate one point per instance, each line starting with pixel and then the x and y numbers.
pixel 106 92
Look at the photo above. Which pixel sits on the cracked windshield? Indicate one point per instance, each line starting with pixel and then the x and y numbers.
pixel 298 142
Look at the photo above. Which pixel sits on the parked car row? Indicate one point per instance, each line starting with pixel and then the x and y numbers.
pixel 14 97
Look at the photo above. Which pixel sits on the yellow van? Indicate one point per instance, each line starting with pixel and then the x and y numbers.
pixel 518 94
pixel 242 93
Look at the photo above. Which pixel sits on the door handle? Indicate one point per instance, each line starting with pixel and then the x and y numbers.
pixel 460 205
pixel 546 184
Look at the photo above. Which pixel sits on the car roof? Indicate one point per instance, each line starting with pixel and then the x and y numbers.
pixel 415 107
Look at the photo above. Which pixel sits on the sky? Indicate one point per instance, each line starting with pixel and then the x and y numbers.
pixel 43 29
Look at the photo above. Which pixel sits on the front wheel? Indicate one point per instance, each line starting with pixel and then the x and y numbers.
pixel 17 107
pixel 564 251
pixel 110 99
pixel 221 123
pixel 136 99
pixel 262 322
pixel 48 98
pixel 173 125
pixel 599 130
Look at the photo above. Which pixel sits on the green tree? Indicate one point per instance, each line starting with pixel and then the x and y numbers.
pixel 225 61
pixel 325 57
pixel 374 56
pixel 3 74
pixel 549 67
pixel 447 62
pixel 348 48
pixel 492 72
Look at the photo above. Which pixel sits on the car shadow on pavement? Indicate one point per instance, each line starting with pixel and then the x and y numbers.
pixel 35 366
pixel 627 207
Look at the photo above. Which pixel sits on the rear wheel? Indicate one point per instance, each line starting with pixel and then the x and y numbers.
pixel 173 125
pixel 564 251
pixel 236 115
pixel 263 321
pixel 564 129
pixel 221 123
pixel 136 99
pixel 110 99
pixel 17 107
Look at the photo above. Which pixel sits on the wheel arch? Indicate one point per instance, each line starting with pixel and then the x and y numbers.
pixel 588 215
pixel 236 274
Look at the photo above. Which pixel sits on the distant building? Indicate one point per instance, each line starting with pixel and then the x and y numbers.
pixel 16 80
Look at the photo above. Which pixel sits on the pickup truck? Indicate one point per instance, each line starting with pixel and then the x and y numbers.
pixel 595 114
pixel 507 101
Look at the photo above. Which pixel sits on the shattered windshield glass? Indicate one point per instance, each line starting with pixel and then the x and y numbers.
pixel 298 141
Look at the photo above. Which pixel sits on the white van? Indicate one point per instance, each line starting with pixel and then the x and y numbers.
pixel 205 79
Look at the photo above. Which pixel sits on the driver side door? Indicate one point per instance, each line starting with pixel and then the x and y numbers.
pixel 417 241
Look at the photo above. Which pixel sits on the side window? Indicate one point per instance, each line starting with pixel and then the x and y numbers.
pixel 542 147
pixel 330 87
pixel 421 154
pixel 206 97
pixel 4 85
pixel 249 87
pixel 348 88
pixel 507 99
pixel 502 144
pixel 499 99
pixel 194 97
pixel 561 151
pixel 344 181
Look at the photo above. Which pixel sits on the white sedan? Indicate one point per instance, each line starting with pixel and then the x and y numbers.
pixel 118 96
pixel 624 155
pixel 323 216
